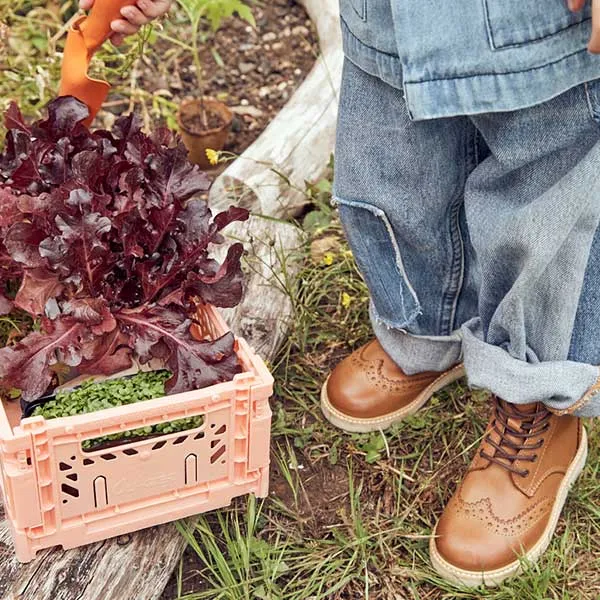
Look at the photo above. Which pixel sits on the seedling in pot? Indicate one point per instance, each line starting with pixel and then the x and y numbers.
pixel 205 122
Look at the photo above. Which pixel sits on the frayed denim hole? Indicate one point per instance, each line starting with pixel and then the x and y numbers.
pixel 378 257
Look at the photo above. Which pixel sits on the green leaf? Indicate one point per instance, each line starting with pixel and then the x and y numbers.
pixel 245 13
pixel 316 220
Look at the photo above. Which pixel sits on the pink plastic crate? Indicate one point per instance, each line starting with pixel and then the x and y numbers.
pixel 56 493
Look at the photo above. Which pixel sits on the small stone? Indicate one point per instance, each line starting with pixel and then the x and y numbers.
pixel 264 91
pixel 236 124
pixel 300 30
pixel 244 102
pixel 269 37
pixel 297 71
pixel 281 86
pixel 277 46
pixel 250 111
pixel 322 246
pixel 246 67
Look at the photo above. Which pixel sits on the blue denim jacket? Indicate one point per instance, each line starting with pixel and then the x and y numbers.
pixel 456 57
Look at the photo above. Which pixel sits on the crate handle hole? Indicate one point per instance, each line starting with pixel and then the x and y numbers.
pixel 69 489
pixel 100 492
pixel 215 457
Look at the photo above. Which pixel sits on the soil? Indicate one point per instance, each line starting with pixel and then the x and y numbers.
pixel 196 123
pixel 261 68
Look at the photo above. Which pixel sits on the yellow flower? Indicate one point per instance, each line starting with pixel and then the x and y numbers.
pixel 346 300
pixel 213 156
pixel 328 258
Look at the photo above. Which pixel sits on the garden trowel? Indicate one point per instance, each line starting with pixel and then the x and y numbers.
pixel 85 36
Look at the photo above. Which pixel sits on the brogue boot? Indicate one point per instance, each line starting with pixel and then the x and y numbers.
pixel 367 391
pixel 508 505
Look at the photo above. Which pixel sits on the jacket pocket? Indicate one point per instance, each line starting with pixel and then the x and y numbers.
pixel 518 22
pixel 371 238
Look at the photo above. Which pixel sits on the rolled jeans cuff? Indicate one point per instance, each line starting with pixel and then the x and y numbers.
pixel 417 353
pixel 564 386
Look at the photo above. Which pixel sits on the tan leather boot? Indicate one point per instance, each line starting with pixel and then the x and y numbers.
pixel 509 502
pixel 367 391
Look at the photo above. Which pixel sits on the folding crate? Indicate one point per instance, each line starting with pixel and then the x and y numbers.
pixel 57 493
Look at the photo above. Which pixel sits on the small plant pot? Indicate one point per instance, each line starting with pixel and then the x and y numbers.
pixel 196 138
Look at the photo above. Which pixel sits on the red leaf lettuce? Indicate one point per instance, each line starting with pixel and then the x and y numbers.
pixel 110 249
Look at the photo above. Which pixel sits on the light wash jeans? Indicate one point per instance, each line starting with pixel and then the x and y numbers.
pixel 478 237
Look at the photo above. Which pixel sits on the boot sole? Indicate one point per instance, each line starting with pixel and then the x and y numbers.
pixel 357 425
pixel 497 576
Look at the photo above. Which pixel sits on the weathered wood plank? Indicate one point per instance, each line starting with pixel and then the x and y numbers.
pixel 263 316
pixel 298 141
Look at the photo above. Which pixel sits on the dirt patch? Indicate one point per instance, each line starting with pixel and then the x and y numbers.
pixel 318 500
pixel 318 495
pixel 253 71
pixel 198 123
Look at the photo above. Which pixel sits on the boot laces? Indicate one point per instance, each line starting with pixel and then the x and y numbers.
pixel 515 428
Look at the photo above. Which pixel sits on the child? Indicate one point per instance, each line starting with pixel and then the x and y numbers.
pixel 468 184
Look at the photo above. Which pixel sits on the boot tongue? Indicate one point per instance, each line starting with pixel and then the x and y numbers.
pixel 529 408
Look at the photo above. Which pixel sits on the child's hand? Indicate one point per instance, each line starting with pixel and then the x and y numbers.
pixel 140 13
pixel 594 43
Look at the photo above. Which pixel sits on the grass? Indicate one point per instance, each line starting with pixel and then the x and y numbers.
pixel 349 516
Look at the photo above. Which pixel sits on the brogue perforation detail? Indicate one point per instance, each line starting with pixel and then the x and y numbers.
pixel 373 369
pixel 483 511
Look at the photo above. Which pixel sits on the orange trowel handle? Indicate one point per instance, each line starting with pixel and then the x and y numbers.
pixel 83 39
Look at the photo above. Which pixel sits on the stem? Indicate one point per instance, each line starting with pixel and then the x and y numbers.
pixel 199 78
pixel 175 41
